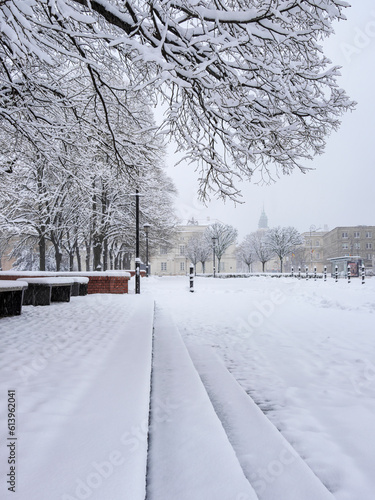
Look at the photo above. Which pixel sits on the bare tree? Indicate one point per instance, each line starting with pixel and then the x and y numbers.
pixel 246 252
pixel 192 250
pixel 198 249
pixel 224 235
pixel 282 241
pixel 263 252
pixel 205 253
pixel 246 84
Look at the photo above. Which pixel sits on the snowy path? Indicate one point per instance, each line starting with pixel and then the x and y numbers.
pixel 305 352
pixel 190 457
pixel 82 377
pixel 270 463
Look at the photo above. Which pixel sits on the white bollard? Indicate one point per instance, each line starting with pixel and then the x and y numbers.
pixel 325 273
pixel 349 273
pixel 315 273
pixel 363 274
pixel 336 273
pixel 307 273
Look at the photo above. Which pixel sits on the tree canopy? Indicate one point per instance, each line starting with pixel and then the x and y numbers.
pixel 246 84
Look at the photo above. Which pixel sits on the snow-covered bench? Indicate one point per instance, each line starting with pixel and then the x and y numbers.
pixel 11 295
pixel 80 285
pixel 43 291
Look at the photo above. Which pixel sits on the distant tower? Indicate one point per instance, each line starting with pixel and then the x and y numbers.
pixel 263 221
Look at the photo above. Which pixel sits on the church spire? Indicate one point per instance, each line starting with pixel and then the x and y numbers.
pixel 263 220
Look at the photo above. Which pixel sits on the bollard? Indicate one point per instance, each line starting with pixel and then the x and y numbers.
pixel 307 273
pixel 349 273
pixel 299 272
pixel 325 273
pixel 315 273
pixel 336 273
pixel 292 272
pixel 363 274
pixel 191 278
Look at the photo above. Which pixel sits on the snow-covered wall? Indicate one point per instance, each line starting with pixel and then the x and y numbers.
pixel 99 282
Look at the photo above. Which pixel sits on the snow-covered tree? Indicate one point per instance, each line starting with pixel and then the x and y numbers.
pixel 282 241
pixel 246 252
pixel 246 83
pixel 262 251
pixel 198 249
pixel 205 253
pixel 224 235
pixel 192 249
pixel 57 202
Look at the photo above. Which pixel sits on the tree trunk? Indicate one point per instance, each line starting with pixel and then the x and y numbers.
pixel 263 264
pixel 88 255
pixel 97 254
pixel 111 259
pixel 58 257
pixel 71 259
pixel 78 255
pixel 42 251
pixel 218 264
pixel 105 254
pixel 203 267
pixel 281 265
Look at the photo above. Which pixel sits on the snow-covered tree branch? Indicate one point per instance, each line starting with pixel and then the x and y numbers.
pixel 221 236
pixel 246 83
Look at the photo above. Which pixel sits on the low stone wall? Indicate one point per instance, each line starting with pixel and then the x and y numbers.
pixel 99 282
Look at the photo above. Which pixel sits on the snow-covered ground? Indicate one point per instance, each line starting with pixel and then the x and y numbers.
pixel 81 375
pixel 304 351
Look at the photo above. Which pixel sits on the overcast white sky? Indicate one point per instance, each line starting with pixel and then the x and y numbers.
pixel 340 191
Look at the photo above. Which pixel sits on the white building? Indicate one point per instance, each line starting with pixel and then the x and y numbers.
pixel 172 261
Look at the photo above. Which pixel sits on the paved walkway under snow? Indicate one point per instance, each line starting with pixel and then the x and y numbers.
pixel 88 428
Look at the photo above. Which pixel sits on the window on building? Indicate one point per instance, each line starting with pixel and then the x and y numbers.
pixel 344 234
pixel 345 246
pixel 163 250
pixel 369 256
pixel 368 234
pixel 163 266
pixel 357 246
pixel 182 266
pixel 369 246
pixel 317 255
pixel 357 234
pixel 182 249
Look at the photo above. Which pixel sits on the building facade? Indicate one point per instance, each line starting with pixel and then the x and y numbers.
pixel 321 246
pixel 172 261
pixel 349 241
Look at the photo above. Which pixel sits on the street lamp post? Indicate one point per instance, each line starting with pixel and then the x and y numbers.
pixel 146 228
pixel 137 259
pixel 213 248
